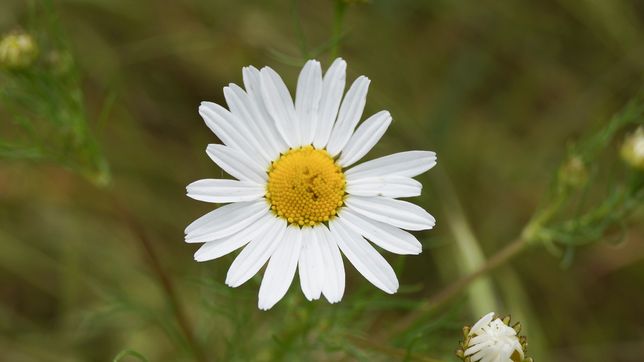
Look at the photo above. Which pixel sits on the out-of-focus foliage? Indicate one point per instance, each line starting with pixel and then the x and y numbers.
pixel 525 102
pixel 42 102
pixel 579 211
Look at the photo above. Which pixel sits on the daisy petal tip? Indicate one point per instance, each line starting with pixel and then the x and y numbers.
pixel 264 304
pixel 312 61
pixel 416 251
pixel 334 299
pixel 392 290
pixel 311 298
pixel 229 282
pixel 190 239
pixel 340 61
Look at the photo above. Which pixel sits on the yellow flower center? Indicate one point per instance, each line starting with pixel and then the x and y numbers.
pixel 305 186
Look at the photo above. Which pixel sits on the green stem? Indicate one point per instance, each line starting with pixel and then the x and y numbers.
pixel 500 258
pixel 471 256
pixel 338 21
pixel 299 31
pixel 164 279
pixel 398 354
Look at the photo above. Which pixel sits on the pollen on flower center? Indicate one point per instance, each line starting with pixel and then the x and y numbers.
pixel 305 186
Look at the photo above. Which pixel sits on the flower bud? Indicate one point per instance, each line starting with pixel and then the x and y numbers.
pixel 18 50
pixel 493 339
pixel 633 149
pixel 573 172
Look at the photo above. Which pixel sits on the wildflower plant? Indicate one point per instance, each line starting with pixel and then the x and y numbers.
pixel 568 217
pixel 298 200
pixel 293 199
pixel 41 95
pixel 493 339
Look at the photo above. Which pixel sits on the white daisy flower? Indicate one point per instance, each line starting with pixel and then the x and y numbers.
pixel 297 200
pixel 493 340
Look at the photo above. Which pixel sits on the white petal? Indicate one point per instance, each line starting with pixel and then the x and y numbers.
pixel 236 163
pixel 279 104
pixel 333 283
pixel 479 351
pixel 387 186
pixel 485 320
pixel 402 214
pixel 260 114
pixel 365 137
pixel 281 269
pixel 349 115
pixel 220 247
pixel 307 100
pixel 241 108
pixel 311 265
pixel 475 348
pixel 226 126
pixel 225 220
pixel 222 191
pixel 410 164
pixel 256 253
pixel 332 89
pixel 385 236
pixel 365 258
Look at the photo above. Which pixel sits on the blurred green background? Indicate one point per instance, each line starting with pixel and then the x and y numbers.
pixel 501 90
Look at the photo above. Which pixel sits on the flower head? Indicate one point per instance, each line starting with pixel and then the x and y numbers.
pixel 574 172
pixel 297 201
pixel 633 149
pixel 493 340
pixel 18 50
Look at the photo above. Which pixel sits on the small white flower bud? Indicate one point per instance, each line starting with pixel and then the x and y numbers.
pixel 633 149
pixel 493 339
pixel 18 51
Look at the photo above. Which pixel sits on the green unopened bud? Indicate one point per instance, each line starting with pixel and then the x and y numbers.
pixel 573 172
pixel 18 51
pixel 633 149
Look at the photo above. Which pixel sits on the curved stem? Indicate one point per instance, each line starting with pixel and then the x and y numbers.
pixel 398 354
pixel 164 279
pixel 443 296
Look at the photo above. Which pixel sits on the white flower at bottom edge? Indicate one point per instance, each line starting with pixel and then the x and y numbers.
pixel 493 340
pixel 297 201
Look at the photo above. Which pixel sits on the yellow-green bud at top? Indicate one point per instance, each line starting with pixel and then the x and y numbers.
pixel 573 172
pixel 633 149
pixel 18 50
